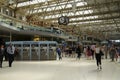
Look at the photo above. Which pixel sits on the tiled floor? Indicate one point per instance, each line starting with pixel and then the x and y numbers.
pixel 67 69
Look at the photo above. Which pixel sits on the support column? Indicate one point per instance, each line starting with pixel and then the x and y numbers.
pixel 10 36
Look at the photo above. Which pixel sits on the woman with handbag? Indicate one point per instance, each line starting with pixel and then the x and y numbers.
pixel 98 56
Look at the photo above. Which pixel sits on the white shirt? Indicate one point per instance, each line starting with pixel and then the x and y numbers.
pixel 93 47
pixel 9 50
pixel 97 50
pixel 84 50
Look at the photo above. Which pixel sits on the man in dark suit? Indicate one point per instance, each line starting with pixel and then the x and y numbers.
pixel 1 54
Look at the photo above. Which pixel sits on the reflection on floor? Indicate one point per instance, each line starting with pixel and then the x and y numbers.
pixel 66 69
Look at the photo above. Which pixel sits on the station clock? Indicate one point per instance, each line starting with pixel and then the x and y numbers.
pixel 63 20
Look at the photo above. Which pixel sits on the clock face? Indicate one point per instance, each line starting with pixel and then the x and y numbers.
pixel 62 19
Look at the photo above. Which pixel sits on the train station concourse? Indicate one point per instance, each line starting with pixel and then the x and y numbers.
pixel 59 39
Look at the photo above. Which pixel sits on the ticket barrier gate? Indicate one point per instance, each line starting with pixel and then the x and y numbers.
pixel 25 55
pixel 43 54
pixel 52 52
pixel 35 50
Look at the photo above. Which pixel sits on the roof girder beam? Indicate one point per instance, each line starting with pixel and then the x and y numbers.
pixel 82 7
pixel 105 18
pixel 87 15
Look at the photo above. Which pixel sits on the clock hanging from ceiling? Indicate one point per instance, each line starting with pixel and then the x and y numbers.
pixel 63 20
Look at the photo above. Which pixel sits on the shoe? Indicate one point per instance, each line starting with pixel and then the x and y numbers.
pixel 100 67
pixel 10 66
pixel 112 60
pixel 0 66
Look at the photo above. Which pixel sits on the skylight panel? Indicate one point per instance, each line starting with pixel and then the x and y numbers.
pixel 48 9
pixel 68 6
pixel 30 2
pixel 88 11
pixel 77 13
pixel 61 5
pixel 71 14
pixel 73 19
pixel 81 4
pixel 84 22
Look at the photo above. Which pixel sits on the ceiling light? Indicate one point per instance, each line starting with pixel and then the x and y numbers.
pixel 11 1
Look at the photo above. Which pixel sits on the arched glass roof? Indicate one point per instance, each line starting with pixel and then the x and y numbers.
pixel 103 15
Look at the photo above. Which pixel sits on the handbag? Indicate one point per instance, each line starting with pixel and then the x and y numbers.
pixel 101 53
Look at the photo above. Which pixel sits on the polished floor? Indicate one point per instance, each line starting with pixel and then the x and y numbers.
pixel 66 69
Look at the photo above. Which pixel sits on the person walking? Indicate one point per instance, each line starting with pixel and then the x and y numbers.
pixel 112 52
pixel 78 51
pixel 10 51
pixel 98 56
pixel 59 53
pixel 92 51
pixel 118 53
pixel 1 54
pixel 89 53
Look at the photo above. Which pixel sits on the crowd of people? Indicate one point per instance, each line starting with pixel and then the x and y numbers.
pixel 92 52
